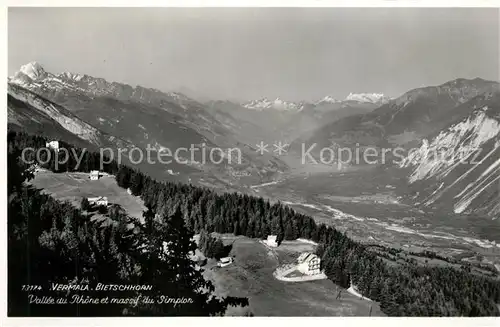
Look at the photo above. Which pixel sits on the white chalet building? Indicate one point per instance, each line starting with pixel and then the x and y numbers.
pixel 94 175
pixel 224 262
pixel 52 145
pixel 309 263
pixel 98 200
pixel 271 241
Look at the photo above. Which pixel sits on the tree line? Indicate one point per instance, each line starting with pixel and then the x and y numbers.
pixel 404 290
pixel 212 247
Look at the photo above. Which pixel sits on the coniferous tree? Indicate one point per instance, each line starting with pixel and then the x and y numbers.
pixel 85 204
pixel 17 170
pixel 175 274
pixel 236 229
pixel 136 183
pixel 289 235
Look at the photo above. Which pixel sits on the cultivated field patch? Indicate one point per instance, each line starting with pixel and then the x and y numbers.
pixel 74 186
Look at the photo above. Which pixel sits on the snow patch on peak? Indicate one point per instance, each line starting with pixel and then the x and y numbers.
pixel 33 70
pixel 367 97
pixel 71 76
pixel 178 96
pixel 328 99
pixel 259 104
pixel 21 79
pixel 277 104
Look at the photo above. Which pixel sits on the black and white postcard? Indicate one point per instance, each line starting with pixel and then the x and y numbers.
pixel 252 162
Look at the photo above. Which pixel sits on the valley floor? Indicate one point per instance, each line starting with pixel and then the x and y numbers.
pixel 376 216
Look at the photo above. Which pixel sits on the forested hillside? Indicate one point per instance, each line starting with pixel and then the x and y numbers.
pixel 52 242
pixel 409 290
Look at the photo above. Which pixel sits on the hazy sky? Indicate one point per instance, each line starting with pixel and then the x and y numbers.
pixel 237 53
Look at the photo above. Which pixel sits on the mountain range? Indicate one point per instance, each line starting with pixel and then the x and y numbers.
pixel 458 117
pixel 290 106
pixel 145 117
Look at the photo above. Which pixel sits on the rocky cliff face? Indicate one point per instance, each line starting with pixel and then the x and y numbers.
pixel 63 117
pixel 459 168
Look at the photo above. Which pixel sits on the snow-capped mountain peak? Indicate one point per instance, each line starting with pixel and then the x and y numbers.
pixel 33 70
pixel 277 104
pixel 288 106
pixel 328 99
pixel 33 77
pixel 367 97
pixel 71 76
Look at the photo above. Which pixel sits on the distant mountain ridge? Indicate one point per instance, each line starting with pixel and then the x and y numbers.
pixel 405 119
pixel 287 119
pixel 33 76
pixel 295 107
pixel 378 98
pixel 278 104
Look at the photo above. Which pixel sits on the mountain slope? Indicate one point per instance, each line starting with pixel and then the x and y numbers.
pixel 30 113
pixel 459 168
pixel 67 89
pixel 27 110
